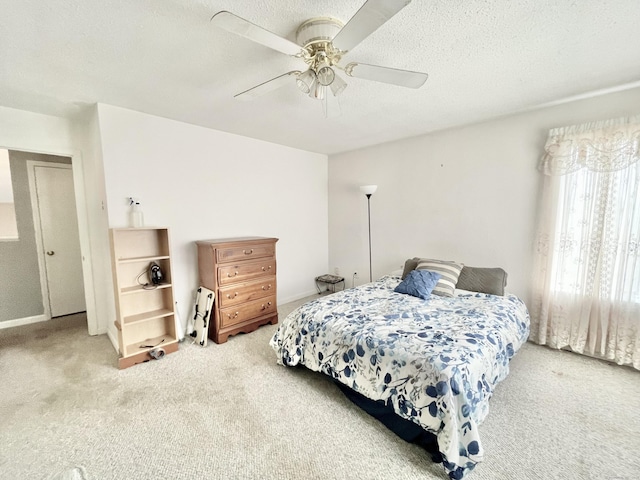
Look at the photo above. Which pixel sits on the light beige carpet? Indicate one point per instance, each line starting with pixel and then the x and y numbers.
pixel 229 411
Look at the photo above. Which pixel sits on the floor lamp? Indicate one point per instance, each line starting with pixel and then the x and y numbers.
pixel 369 190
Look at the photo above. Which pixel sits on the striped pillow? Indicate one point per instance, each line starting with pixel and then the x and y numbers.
pixel 449 271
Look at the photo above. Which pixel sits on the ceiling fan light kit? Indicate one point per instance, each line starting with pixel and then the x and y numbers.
pixel 325 75
pixel 322 42
pixel 318 92
pixel 306 81
pixel 338 85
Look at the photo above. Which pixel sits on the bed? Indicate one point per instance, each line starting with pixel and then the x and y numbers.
pixel 433 362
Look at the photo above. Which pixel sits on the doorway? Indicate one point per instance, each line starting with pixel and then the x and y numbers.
pixel 27 294
pixel 57 238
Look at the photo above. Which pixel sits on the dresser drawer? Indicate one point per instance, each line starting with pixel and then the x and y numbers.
pixel 245 252
pixel 247 311
pixel 246 292
pixel 239 272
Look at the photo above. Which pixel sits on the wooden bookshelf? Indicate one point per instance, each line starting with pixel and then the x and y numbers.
pixel 145 312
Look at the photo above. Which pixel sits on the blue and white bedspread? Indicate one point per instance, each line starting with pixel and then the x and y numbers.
pixel 436 361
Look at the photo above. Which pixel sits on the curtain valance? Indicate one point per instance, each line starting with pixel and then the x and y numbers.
pixel 604 146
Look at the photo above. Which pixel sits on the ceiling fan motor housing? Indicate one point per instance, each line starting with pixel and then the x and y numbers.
pixel 319 29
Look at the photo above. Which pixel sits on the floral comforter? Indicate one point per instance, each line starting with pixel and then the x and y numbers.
pixel 436 361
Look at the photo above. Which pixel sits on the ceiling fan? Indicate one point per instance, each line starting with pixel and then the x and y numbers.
pixel 322 42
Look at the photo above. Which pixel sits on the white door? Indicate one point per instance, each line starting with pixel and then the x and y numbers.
pixel 60 238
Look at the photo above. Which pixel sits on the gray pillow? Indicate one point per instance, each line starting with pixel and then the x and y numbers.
pixel 410 264
pixel 483 280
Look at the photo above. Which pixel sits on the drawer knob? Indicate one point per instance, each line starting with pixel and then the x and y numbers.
pixel 229 275
pixel 266 287
pixel 264 307
pixel 248 252
pixel 264 269
pixel 235 294
pixel 235 315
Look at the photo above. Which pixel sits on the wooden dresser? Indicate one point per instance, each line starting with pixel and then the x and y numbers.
pixel 242 273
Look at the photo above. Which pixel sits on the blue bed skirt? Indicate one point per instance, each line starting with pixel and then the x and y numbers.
pixel 405 429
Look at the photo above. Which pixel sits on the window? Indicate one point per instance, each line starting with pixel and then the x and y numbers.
pixel 586 292
pixel 598 223
pixel 8 225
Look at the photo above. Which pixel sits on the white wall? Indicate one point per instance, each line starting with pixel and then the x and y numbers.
pixel 8 226
pixel 203 183
pixel 468 194
pixel 21 130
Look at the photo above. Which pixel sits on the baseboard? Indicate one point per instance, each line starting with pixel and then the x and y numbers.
pixel 114 340
pixel 282 301
pixel 18 322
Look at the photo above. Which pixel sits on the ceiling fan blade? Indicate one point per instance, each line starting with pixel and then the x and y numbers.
pixel 394 76
pixel 267 86
pixel 367 20
pixel 234 24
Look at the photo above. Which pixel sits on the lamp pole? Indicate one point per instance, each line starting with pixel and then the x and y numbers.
pixel 369 216
pixel 369 190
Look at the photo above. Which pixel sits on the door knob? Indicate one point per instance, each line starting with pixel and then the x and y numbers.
pixel 51 252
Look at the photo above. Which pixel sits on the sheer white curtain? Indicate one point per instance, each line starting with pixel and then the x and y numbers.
pixel 587 275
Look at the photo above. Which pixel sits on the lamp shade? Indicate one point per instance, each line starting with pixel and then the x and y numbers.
pixel 338 85
pixel 368 189
pixel 318 91
pixel 325 76
pixel 306 81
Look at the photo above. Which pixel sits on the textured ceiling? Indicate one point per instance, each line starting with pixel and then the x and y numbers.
pixel 485 58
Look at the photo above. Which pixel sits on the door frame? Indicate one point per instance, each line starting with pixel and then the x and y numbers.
pixel 93 326
pixel 37 226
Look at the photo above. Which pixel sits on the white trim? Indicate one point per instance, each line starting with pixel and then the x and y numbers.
pixel 583 96
pixel 114 341
pixel 18 322
pixel 85 246
pixel 298 297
